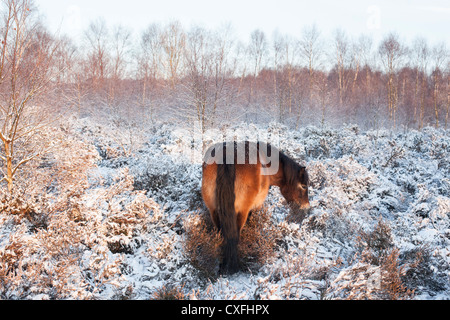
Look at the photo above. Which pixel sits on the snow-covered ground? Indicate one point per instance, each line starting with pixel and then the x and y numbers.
pixel 135 207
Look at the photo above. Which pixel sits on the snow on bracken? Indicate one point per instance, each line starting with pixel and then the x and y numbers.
pixel 379 227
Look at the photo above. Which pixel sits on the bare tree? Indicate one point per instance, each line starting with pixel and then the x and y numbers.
pixel 285 60
pixel 25 73
pixel 148 58
pixel 198 69
pixel 149 53
pixel 392 54
pixel 69 79
pixel 311 51
pixel 65 57
pixel 172 42
pixel 277 49
pixel 224 66
pixel 342 56
pixel 349 56
pixel 360 52
pixel 439 56
pixel 98 52
pixel 209 71
pixel 448 93
pixel 121 44
pixel 257 51
pixel 421 54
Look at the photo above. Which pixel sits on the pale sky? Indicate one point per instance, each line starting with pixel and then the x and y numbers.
pixel 409 18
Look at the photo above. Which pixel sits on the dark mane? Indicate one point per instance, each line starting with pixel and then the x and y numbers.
pixel 293 172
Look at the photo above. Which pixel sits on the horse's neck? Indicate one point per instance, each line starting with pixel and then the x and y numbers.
pixel 277 178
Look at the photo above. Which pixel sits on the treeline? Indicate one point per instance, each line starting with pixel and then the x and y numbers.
pixel 169 72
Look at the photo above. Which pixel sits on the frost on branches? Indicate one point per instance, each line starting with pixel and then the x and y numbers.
pixel 97 218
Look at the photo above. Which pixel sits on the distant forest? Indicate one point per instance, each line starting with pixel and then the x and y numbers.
pixel 168 72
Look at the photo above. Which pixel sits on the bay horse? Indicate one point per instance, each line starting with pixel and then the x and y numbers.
pixel 236 180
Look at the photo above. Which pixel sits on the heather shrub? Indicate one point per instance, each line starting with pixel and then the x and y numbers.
pixel 169 292
pixel 392 285
pixel 203 243
pixel 375 244
pixel 418 270
pixel 257 244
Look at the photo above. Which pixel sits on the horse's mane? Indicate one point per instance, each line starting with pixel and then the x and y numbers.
pixel 292 171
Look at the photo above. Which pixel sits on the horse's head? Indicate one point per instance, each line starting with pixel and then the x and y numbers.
pixel 296 192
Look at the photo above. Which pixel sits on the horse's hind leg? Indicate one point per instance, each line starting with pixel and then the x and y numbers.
pixel 242 217
pixel 215 219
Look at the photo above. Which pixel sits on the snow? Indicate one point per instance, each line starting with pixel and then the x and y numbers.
pixel 137 205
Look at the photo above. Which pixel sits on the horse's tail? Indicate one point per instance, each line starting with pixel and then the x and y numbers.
pixel 225 197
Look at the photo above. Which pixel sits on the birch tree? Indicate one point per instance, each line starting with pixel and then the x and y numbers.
pixel 343 61
pixel 26 56
pixel 148 64
pixel 311 52
pixel 392 54
pixel 439 56
pixel 257 51
pixel 421 54
pixel 207 58
pixel 172 42
pixel 98 53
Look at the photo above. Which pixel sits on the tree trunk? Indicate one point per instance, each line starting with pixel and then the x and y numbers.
pixel 9 166
pixel 435 98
